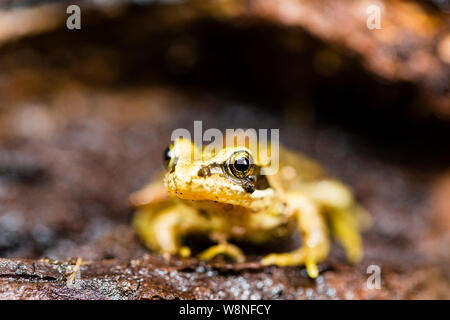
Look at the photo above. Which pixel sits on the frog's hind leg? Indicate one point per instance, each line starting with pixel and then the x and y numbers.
pixel 313 229
pixel 345 228
pixel 345 217
pixel 152 193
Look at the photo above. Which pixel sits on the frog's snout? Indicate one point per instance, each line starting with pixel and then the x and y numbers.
pixel 180 182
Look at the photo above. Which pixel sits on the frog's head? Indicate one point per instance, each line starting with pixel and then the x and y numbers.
pixel 228 176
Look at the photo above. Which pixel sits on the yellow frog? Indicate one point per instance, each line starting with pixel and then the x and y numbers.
pixel 226 194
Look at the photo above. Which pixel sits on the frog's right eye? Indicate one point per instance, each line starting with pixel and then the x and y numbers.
pixel 169 157
pixel 241 164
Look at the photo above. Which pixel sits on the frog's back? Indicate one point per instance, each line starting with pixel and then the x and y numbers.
pixel 295 169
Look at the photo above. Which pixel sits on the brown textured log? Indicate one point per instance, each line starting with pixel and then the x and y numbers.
pixel 151 277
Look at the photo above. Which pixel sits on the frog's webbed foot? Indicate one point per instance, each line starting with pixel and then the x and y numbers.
pixel 225 248
pixel 314 234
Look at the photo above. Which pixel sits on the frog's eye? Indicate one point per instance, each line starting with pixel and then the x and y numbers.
pixel 241 164
pixel 169 157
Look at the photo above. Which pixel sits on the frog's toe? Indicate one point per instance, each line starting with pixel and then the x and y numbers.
pixel 296 258
pixel 285 259
pixel 311 268
pixel 227 249
pixel 184 252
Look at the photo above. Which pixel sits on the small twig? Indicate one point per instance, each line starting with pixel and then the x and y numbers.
pixel 75 275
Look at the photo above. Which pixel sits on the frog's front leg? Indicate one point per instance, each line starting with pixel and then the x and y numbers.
pixel 163 226
pixel 224 248
pixel 316 243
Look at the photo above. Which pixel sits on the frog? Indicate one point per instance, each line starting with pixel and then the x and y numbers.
pixel 228 196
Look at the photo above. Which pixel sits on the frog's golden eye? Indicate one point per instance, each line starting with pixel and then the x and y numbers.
pixel 169 157
pixel 241 164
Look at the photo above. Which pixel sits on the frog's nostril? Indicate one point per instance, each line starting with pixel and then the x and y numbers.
pixel 204 172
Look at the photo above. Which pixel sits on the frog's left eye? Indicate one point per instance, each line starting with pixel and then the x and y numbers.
pixel 241 164
pixel 169 157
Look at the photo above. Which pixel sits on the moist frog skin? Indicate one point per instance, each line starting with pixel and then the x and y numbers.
pixel 225 195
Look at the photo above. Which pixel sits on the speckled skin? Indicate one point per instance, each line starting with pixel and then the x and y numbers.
pixel 200 196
